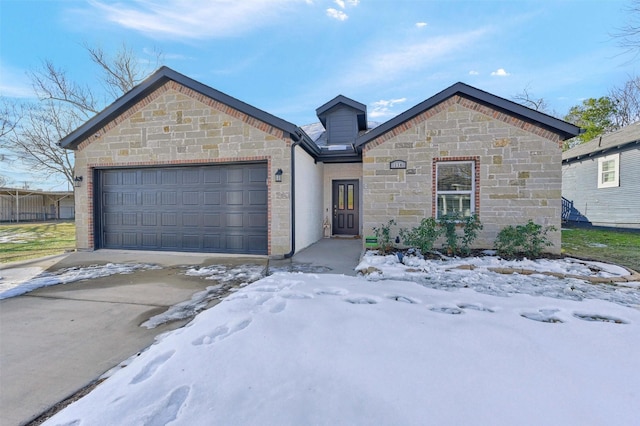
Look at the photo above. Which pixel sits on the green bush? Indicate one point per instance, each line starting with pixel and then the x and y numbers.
pixel 423 236
pixel 459 244
pixel 528 240
pixel 383 234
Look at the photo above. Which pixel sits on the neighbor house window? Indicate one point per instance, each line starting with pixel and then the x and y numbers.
pixel 455 188
pixel 609 171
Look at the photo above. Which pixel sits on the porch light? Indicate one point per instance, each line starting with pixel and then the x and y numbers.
pixel 279 175
pixel 77 181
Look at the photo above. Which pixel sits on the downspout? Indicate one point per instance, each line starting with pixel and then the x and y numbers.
pixel 293 194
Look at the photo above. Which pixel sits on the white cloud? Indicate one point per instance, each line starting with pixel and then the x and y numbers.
pixel 353 2
pixel 382 108
pixel 474 72
pixel 337 14
pixel 395 59
pixel 339 3
pixel 200 19
pixel 500 72
pixel 421 24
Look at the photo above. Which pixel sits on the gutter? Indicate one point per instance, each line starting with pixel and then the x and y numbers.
pixel 297 140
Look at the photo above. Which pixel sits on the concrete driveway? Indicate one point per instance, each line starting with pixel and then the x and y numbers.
pixel 57 340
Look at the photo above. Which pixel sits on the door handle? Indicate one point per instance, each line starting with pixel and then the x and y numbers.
pixel 335 210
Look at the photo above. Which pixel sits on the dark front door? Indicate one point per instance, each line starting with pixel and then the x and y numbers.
pixel 345 207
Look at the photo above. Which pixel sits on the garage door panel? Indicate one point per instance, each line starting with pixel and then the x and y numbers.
pixel 169 177
pixel 217 208
pixel 212 198
pixel 257 220
pixel 234 198
pixel 257 198
pixel 168 198
pixel 234 220
pixel 211 220
pixel 235 175
pixel 169 219
pixel 191 198
pixel 149 219
pixel 129 219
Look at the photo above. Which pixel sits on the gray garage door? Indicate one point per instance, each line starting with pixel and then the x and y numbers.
pixel 218 209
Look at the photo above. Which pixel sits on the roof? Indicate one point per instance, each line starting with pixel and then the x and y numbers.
pixel 562 128
pixel 153 82
pixel 341 100
pixel 626 136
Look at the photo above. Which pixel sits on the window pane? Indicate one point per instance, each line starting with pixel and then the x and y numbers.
pixel 340 197
pixel 608 176
pixel 349 197
pixel 451 203
pixel 454 176
pixel 608 166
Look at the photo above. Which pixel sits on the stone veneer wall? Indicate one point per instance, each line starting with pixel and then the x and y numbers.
pixel 175 125
pixel 519 175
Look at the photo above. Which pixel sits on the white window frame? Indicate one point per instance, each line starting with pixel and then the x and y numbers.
pixel 616 170
pixel 471 192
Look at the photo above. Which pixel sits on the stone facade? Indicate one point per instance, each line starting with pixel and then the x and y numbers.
pixel 175 125
pixel 518 169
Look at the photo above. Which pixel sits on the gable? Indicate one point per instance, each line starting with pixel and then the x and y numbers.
pixel 163 79
pixel 485 103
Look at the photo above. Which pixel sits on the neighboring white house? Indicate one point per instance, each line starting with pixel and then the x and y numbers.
pixel 18 205
pixel 601 180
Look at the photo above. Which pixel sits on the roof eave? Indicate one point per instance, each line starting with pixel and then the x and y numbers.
pixel 561 128
pixel 151 83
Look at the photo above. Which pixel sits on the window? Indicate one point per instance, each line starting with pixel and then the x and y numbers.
pixel 609 171
pixel 455 188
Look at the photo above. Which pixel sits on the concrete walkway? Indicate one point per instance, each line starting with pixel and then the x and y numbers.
pixel 329 255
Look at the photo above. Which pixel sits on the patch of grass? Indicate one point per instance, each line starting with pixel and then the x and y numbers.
pixel 23 241
pixel 614 246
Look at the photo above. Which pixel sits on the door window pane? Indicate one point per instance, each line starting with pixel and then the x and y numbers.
pixel 350 197
pixel 340 197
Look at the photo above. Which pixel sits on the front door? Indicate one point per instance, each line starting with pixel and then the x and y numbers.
pixel 345 207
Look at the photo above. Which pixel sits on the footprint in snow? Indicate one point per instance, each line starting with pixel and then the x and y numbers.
pixel 221 332
pixel 451 310
pixel 277 305
pixel 168 409
pixel 596 317
pixel 296 295
pixel 361 300
pixel 403 299
pixel 151 367
pixel 474 307
pixel 543 315
pixel 330 291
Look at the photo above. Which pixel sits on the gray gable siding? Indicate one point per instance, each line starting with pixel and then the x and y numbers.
pixel 615 207
pixel 342 126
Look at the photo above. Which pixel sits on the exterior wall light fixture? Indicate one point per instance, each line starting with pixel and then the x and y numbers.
pixel 77 181
pixel 279 175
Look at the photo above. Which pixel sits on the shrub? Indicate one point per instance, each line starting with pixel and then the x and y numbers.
pixel 454 243
pixel 423 236
pixel 383 234
pixel 528 240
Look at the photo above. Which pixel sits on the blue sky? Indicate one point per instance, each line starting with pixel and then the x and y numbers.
pixel 288 57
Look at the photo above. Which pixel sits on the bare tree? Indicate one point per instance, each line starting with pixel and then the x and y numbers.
pixel 32 131
pixel 629 34
pixel 627 102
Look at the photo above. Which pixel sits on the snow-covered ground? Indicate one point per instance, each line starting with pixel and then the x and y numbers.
pixel 304 349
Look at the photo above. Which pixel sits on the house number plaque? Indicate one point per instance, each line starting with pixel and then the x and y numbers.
pixel 398 164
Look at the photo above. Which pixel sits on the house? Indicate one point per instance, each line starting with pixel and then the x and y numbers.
pixel 601 180
pixel 177 165
pixel 21 205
